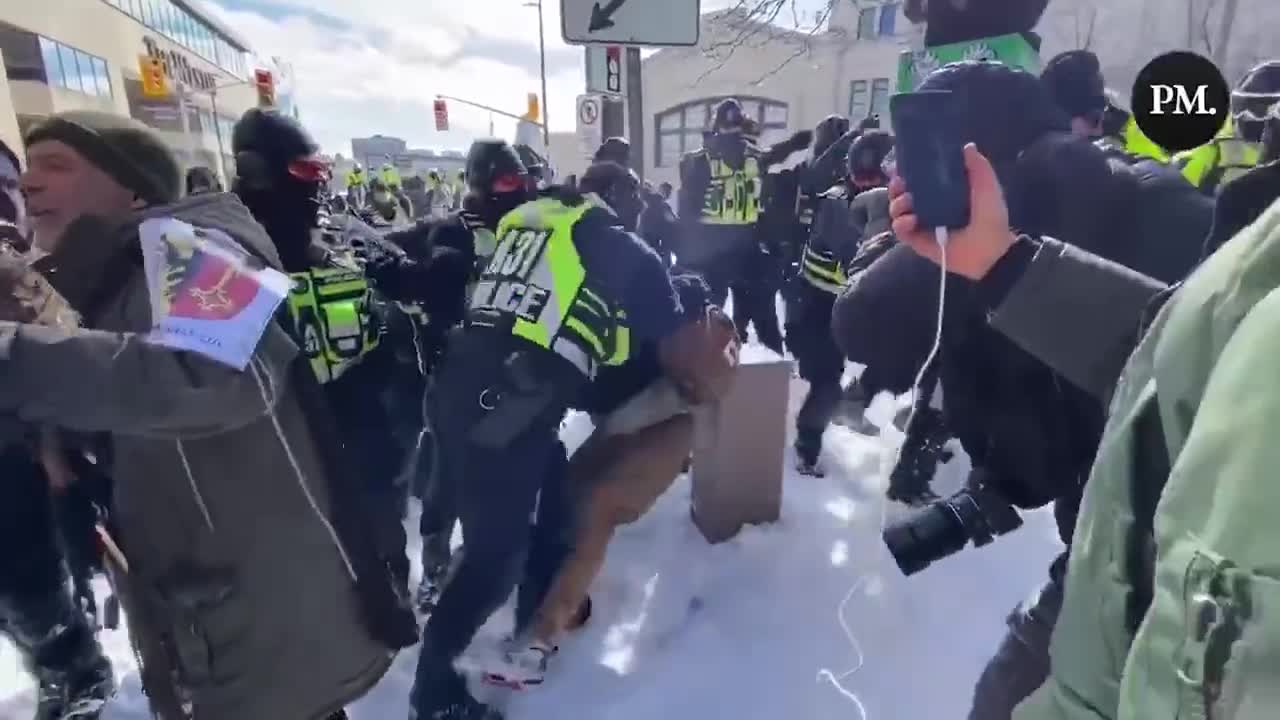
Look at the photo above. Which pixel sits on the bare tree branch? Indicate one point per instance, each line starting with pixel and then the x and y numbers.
pixel 754 24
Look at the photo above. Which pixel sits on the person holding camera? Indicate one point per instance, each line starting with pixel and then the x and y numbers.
pixel 1164 610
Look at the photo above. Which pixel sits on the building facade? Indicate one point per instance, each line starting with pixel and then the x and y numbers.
pixel 85 55
pixel 790 80
pixel 785 79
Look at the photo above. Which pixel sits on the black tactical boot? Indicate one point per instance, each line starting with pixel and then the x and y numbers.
pixel 74 678
pixel 923 450
pixel 436 562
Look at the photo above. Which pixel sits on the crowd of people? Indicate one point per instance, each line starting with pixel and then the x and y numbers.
pixel 1106 313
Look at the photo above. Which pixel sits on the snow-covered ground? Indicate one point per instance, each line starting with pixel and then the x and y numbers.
pixel 745 630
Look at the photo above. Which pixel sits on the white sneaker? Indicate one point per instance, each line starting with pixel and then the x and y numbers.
pixel 524 664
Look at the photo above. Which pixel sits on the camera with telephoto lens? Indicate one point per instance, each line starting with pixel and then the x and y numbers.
pixel 977 514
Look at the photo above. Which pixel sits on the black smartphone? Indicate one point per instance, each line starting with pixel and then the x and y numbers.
pixel 929 155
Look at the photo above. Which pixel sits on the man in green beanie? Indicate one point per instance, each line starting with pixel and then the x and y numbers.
pixel 252 590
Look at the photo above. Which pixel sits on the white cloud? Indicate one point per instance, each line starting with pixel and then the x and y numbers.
pixel 363 68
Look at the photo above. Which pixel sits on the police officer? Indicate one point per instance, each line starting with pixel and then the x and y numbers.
pixel 356 186
pixel 1235 150
pixel 562 295
pixel 720 194
pixel 443 257
pixel 832 244
pixel 331 310
pixel 1120 131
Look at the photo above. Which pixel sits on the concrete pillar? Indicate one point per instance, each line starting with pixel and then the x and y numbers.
pixel 739 450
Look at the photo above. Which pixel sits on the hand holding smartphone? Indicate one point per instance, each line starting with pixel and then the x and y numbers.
pixel 929 155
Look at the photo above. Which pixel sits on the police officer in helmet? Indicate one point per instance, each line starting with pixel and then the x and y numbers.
pixel 442 257
pixel 279 178
pixel 565 291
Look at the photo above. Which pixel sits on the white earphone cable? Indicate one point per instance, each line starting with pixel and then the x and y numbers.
pixel 941 236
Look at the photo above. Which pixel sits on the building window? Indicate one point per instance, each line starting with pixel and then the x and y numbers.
pixel 867 23
pixel 185 29
pixel 71 69
pixel 679 129
pixel 889 18
pixel 858 107
pixel 880 97
pixel 863 103
pixel 22 54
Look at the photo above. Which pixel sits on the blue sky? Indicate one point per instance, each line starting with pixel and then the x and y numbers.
pixel 374 66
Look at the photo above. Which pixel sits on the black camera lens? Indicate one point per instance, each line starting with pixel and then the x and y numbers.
pixel 925 536
pixel 977 514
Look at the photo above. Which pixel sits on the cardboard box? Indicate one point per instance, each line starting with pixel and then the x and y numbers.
pixel 739 451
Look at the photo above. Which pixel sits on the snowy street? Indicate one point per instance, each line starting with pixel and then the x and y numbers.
pixel 742 630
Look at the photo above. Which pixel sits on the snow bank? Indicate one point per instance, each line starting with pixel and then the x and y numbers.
pixel 741 630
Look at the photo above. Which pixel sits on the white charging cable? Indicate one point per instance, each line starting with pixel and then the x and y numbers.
pixel 941 236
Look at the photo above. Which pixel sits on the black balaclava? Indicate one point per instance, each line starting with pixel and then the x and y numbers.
pixel 615 150
pixel 618 187
pixel 497 181
pixel 202 180
pixel 270 148
pixel 729 117
pixel 828 132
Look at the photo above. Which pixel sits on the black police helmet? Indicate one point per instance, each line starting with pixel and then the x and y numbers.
pixel 1253 96
pixel 827 132
pixel 489 160
pixel 615 149
pixel 728 116
pixel 867 154
pixel 1074 79
pixel 273 135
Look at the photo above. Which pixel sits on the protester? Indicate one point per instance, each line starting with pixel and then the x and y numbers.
pixel 226 515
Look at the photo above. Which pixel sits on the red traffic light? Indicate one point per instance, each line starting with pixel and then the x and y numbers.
pixel 442 115
pixel 266 85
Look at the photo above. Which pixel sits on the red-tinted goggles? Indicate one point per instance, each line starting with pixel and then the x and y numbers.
pixel 510 183
pixel 309 170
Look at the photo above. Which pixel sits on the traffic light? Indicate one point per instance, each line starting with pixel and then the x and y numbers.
pixel 534 111
pixel 266 85
pixel 442 115
pixel 613 69
pixel 155 83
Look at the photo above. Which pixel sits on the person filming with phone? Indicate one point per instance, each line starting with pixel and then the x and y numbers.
pixel 1176 521
pixel 1030 435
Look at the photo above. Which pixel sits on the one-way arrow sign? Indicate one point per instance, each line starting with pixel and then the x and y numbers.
pixel 602 17
pixel 630 22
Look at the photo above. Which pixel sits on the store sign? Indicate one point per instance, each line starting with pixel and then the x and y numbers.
pixel 179 68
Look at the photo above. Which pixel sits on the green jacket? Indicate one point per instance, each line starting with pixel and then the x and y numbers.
pixel 1192 426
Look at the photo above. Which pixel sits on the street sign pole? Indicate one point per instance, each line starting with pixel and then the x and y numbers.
pixel 635 110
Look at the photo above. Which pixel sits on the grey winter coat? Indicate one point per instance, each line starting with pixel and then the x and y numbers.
pixel 235 570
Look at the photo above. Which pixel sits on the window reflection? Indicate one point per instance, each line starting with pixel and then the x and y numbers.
pixel 52 65
pixel 71 69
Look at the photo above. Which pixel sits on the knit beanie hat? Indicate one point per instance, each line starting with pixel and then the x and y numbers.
pixel 123 148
